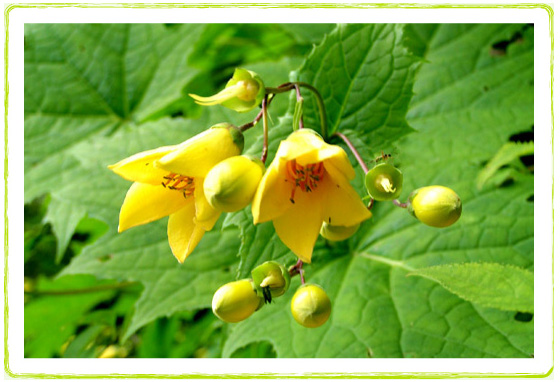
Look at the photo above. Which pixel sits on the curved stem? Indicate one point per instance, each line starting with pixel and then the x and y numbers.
pixel 322 111
pixel 321 105
pixel 354 151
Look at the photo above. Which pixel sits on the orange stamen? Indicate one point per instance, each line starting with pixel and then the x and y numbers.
pixel 307 177
pixel 180 183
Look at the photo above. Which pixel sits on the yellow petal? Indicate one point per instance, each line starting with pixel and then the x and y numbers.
pixel 140 167
pixel 183 233
pixel 300 224
pixel 343 205
pixel 339 160
pixel 206 215
pixel 224 95
pixel 145 203
pixel 196 156
pixel 272 197
pixel 307 147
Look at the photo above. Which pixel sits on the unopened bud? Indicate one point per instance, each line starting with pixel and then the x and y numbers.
pixel 232 183
pixel 436 206
pixel 235 301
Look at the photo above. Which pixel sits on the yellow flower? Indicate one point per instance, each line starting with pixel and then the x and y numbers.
pixel 169 181
pixel 307 184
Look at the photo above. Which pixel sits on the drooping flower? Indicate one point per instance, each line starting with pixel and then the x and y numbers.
pixel 169 181
pixel 243 92
pixel 307 184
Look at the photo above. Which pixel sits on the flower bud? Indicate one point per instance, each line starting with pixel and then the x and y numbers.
pixel 311 307
pixel 235 301
pixel 271 280
pixel 337 232
pixel 232 183
pixel 436 206
pixel 384 182
pixel 243 92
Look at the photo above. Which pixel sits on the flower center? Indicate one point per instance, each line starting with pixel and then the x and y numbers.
pixel 178 182
pixel 307 177
pixel 387 185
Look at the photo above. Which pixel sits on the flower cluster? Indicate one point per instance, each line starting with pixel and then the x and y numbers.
pixel 305 192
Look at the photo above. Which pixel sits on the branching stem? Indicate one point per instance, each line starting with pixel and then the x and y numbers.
pixel 298 269
pixel 286 87
pixel 247 126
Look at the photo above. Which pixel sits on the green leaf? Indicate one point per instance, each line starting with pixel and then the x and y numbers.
pixel 377 310
pixel 64 218
pixel 83 80
pixel 468 102
pixel 365 75
pixel 505 155
pixel 488 284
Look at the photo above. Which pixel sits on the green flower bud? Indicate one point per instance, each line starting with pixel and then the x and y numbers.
pixel 271 280
pixel 436 206
pixel 231 184
pixel 235 301
pixel 384 182
pixel 337 232
pixel 311 307
pixel 243 92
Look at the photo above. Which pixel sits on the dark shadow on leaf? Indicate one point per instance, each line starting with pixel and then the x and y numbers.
pixel 523 317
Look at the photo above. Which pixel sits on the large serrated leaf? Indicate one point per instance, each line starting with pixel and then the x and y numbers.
pixel 364 74
pixel 468 103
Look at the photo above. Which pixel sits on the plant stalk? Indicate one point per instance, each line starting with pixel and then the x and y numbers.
pixel 265 131
pixel 354 151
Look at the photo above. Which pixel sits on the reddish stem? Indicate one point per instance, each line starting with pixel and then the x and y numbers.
pixel 354 151
pixel 298 268
pixel 397 203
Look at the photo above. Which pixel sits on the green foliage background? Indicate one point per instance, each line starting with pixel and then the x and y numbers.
pixel 446 101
